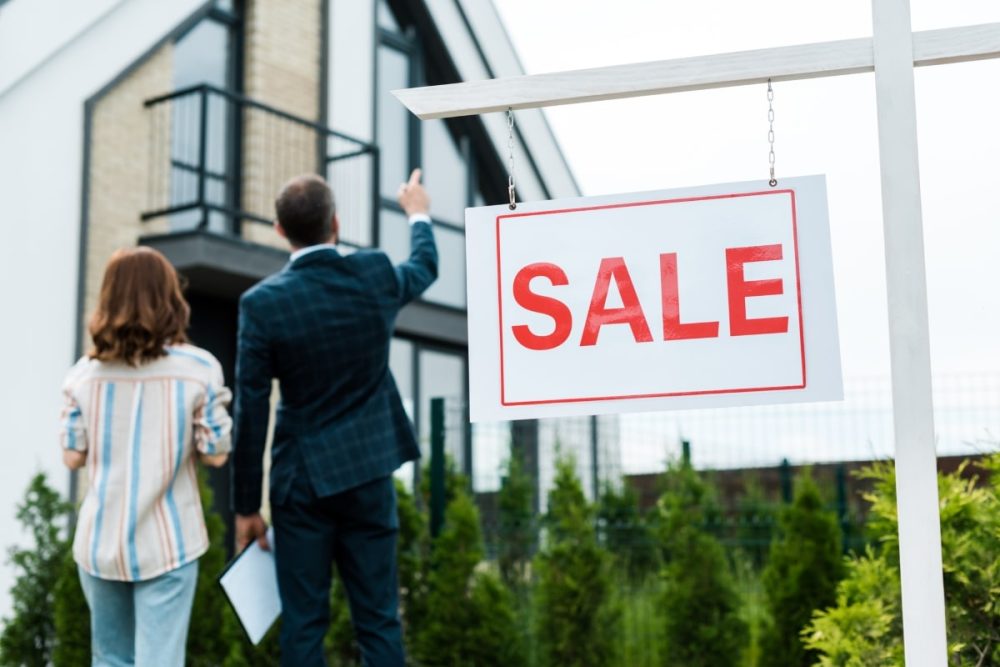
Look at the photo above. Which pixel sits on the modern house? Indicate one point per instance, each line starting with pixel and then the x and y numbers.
pixel 173 124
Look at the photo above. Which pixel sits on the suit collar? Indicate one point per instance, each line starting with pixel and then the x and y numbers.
pixel 317 256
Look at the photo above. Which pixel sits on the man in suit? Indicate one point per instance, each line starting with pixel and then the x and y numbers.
pixel 322 327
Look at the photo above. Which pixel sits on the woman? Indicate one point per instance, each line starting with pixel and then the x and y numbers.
pixel 139 410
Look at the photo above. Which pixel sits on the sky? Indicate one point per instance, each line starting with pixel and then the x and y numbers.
pixel 822 126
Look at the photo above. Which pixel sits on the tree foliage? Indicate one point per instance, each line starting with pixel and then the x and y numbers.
pixel 627 532
pixel 517 533
pixel 702 624
pixel 72 616
pixel 29 637
pixel 866 621
pixel 802 572
pixel 577 621
pixel 209 642
pixel 470 614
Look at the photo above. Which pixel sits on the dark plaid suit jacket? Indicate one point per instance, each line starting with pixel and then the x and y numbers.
pixel 322 327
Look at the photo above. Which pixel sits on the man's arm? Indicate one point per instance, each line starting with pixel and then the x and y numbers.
pixel 420 270
pixel 254 372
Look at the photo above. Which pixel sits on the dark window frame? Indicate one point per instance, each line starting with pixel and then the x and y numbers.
pixel 234 23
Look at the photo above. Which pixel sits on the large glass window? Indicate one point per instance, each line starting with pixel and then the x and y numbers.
pixel 447 174
pixel 393 119
pixel 423 373
pixel 405 143
pixel 204 55
pixel 442 375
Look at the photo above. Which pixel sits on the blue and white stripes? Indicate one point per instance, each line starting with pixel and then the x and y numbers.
pixel 142 429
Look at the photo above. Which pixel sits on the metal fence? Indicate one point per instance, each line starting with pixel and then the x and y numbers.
pixel 859 428
pixel 750 456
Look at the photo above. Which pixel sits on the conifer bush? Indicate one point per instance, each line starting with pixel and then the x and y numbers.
pixel 577 622
pixel 210 634
pixel 801 575
pixel 72 616
pixel 517 531
pixel 29 636
pixel 701 607
pixel 627 532
pixel 470 614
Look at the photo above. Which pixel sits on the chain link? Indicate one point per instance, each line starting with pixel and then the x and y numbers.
pixel 510 159
pixel 770 133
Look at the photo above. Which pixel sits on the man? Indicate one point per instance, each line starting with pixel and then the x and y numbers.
pixel 322 327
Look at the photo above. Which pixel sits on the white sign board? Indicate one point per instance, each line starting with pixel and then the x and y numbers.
pixel 711 296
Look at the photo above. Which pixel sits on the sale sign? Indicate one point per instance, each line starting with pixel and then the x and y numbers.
pixel 703 297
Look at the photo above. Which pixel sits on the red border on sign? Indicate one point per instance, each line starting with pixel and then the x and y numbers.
pixel 584 399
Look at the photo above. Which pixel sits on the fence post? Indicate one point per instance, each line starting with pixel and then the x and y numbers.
pixel 785 472
pixel 686 452
pixel 595 471
pixel 437 465
pixel 842 505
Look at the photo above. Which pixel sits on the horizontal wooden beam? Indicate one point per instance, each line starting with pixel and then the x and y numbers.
pixel 786 63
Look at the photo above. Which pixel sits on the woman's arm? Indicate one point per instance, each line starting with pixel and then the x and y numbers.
pixel 72 433
pixel 212 423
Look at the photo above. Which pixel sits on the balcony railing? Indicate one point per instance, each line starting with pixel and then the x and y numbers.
pixel 218 159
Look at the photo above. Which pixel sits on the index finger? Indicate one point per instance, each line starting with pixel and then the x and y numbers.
pixel 414 177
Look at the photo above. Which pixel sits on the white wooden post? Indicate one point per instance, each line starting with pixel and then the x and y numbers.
pixel 909 343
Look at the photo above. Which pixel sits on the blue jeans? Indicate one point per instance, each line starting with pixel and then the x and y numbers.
pixel 143 622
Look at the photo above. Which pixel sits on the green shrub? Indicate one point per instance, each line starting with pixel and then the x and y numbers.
pixel 756 514
pixel 209 638
pixel 864 627
pixel 339 644
pixel 801 575
pixel 29 636
pixel 72 616
pixel 866 619
pixel 517 532
pixel 470 615
pixel 414 552
pixel 577 623
pixel 702 622
pixel 627 532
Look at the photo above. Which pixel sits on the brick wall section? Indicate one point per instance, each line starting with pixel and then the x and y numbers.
pixel 282 69
pixel 120 169
pixel 120 177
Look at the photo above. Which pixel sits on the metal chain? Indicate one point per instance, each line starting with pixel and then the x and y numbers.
pixel 510 159
pixel 770 132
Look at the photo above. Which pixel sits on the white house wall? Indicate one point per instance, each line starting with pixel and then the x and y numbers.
pixel 462 48
pixel 495 44
pixel 41 152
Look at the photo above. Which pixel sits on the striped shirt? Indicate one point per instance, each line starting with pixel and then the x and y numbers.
pixel 142 428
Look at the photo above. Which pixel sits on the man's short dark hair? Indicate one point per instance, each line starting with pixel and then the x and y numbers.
pixel 305 210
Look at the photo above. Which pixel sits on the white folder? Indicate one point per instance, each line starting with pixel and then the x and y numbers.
pixel 250 581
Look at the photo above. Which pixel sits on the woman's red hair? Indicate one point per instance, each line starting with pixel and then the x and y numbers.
pixel 141 308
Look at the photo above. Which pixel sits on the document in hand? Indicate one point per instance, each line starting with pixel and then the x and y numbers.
pixel 250 582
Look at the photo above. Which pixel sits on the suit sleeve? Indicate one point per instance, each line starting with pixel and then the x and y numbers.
pixel 421 269
pixel 254 371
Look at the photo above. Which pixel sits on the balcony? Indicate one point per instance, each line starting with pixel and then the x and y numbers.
pixel 218 159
